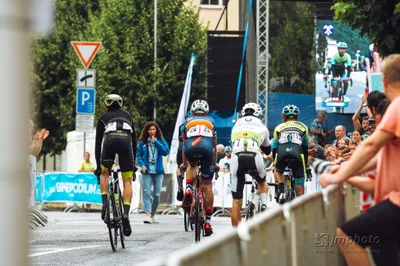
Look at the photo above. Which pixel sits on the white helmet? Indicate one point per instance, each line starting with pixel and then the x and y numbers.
pixel 252 109
pixel 199 106
pixel 111 98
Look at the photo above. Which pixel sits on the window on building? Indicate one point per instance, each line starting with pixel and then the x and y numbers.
pixel 211 2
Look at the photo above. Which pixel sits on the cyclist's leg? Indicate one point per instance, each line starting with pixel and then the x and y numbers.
pixel 280 166
pixel 334 87
pixel 237 186
pixel 179 174
pixel 345 84
pixel 262 184
pixel 107 154
pixel 299 172
pixel 127 166
pixel 190 153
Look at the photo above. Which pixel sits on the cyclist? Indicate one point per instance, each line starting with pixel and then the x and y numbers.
pixel 249 135
pixel 290 142
pixel 119 138
pixel 200 139
pixel 339 64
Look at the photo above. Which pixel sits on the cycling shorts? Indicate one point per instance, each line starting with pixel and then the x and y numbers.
pixel 120 143
pixel 291 151
pixel 241 163
pixel 342 75
pixel 201 146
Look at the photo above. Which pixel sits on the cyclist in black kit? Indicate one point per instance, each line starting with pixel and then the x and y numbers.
pixel 117 127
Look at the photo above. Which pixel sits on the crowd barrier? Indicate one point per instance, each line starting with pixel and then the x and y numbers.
pixel 299 233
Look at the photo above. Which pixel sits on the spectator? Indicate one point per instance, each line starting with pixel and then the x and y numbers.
pixel 315 150
pixel 362 127
pixel 152 147
pixel 225 163
pixel 319 133
pixel 86 166
pixel 340 132
pixel 373 100
pixel 356 137
pixel 377 152
pixel 36 140
pixel 220 152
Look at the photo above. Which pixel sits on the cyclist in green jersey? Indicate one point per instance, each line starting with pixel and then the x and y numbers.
pixel 290 142
pixel 340 63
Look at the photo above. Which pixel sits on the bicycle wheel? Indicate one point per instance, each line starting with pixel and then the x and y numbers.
pixel 197 216
pixel 121 226
pixel 186 220
pixel 110 225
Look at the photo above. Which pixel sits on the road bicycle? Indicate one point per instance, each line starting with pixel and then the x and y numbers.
pixel 114 213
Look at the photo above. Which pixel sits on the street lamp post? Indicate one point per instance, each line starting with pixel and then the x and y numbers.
pixel 155 56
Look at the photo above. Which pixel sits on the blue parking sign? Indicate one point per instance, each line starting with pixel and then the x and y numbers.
pixel 85 100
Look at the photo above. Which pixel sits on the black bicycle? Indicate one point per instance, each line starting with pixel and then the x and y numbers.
pixel 114 212
pixel 253 205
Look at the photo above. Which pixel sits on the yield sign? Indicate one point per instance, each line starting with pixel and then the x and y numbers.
pixel 86 51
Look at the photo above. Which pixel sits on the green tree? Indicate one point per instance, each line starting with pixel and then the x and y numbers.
pixel 292 45
pixel 54 71
pixel 380 20
pixel 344 33
pixel 124 63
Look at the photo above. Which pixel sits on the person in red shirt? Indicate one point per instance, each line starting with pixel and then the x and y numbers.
pixel 378 226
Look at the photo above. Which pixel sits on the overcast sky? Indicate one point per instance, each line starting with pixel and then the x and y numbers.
pixel 42 15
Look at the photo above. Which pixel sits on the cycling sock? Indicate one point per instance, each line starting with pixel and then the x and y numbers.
pixel 281 187
pixel 264 198
pixel 127 207
pixel 104 198
pixel 208 215
pixel 189 185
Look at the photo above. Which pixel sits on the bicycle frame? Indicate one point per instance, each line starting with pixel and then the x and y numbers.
pixel 198 193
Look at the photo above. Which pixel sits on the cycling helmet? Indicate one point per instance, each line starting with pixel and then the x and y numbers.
pixel 371 47
pixel 111 98
pixel 228 149
pixel 290 110
pixel 199 106
pixel 342 45
pixel 252 109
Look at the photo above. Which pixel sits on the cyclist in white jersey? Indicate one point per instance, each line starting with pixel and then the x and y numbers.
pixel 249 135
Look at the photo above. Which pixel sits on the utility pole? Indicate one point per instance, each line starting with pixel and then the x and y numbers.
pixel 14 181
pixel 155 56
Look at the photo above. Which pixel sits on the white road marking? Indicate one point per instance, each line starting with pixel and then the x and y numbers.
pixel 61 250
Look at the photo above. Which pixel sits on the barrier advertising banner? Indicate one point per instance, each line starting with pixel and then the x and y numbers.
pixel 76 188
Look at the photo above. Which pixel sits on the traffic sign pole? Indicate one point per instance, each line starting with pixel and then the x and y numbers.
pixel 85 83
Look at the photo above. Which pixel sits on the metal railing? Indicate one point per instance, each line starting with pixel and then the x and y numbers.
pixel 301 232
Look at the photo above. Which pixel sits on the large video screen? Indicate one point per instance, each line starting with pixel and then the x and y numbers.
pixel 340 47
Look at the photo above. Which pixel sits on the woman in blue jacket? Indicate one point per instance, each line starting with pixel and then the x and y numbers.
pixel 152 147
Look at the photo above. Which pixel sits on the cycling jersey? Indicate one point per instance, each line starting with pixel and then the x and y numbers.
pixel 118 131
pixel 340 64
pixel 248 135
pixel 200 134
pixel 291 142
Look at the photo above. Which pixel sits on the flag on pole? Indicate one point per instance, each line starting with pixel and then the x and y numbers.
pixel 181 116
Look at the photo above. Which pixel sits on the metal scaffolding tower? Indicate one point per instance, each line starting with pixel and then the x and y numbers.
pixel 262 38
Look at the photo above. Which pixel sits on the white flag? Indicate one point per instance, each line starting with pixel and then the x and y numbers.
pixel 181 117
